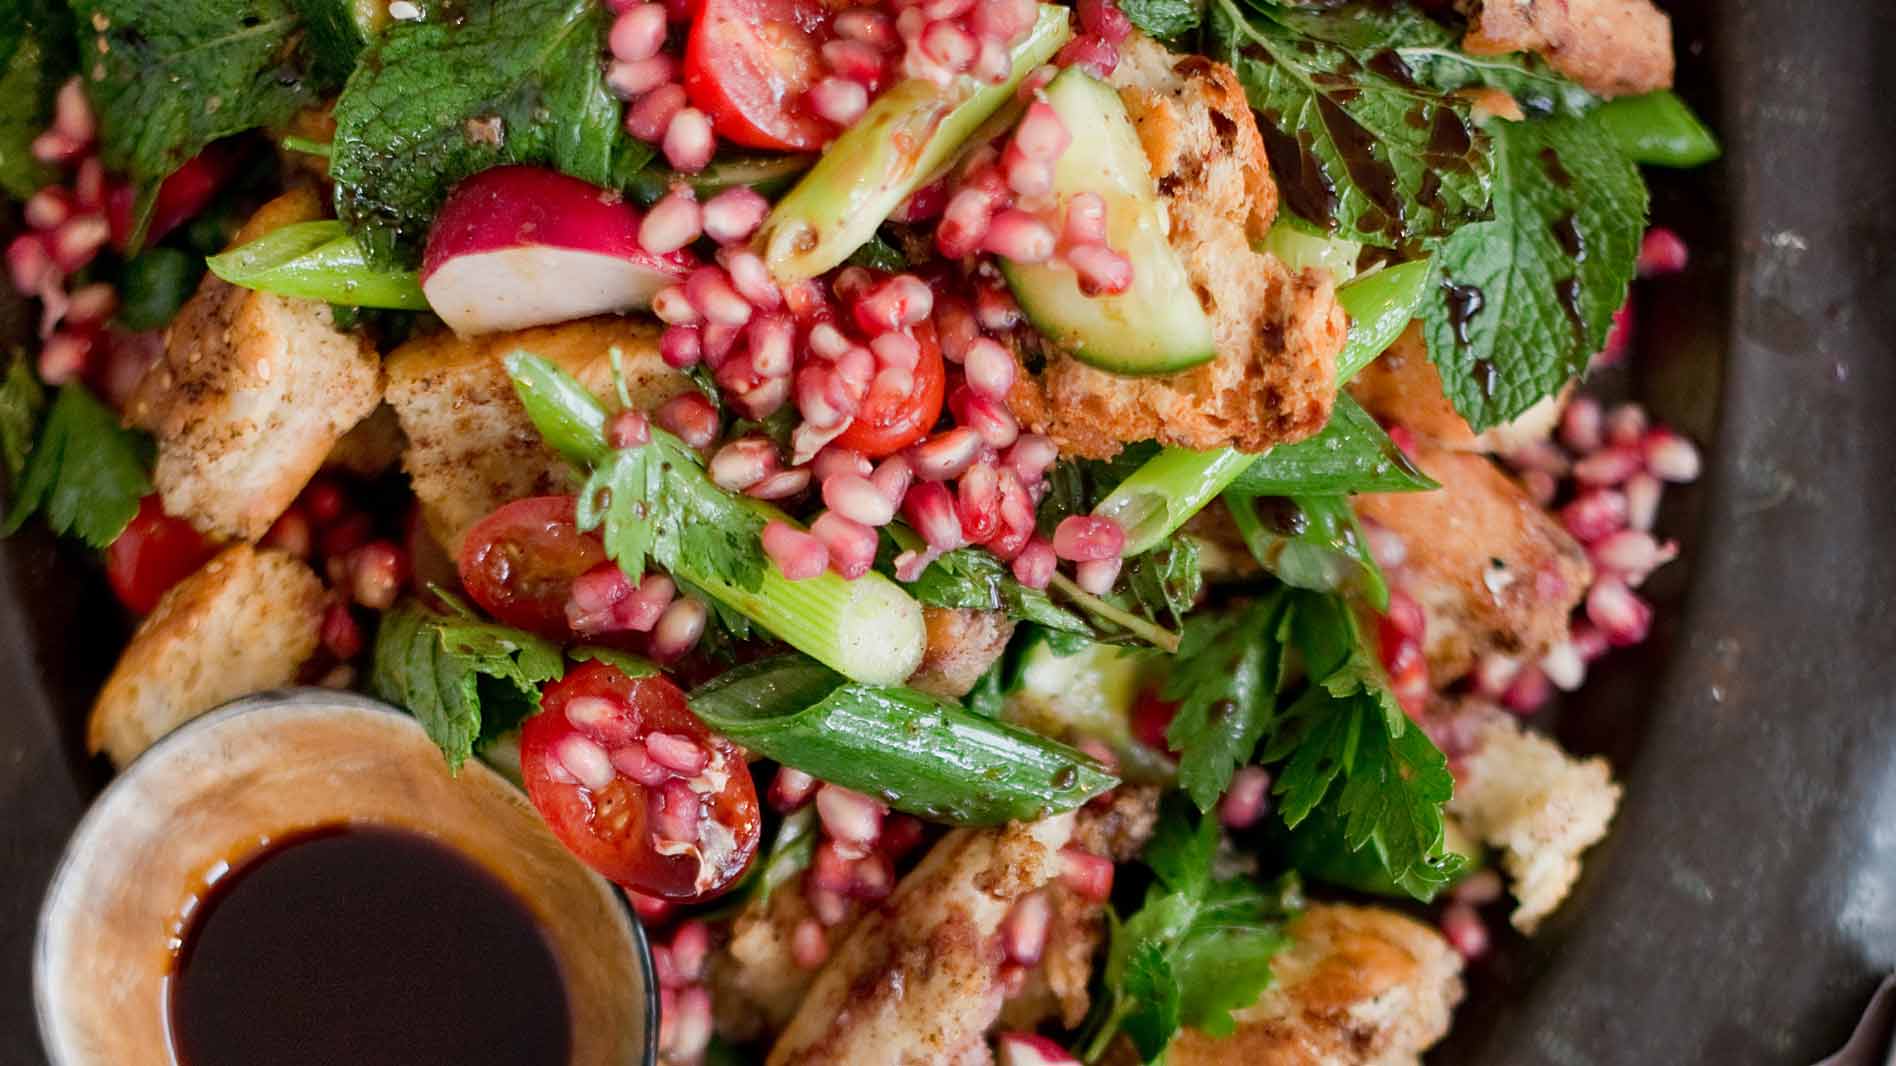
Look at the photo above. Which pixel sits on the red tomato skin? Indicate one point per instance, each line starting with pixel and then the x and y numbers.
pixel 748 64
pixel 887 424
pixel 609 830
pixel 519 563
pixel 155 552
pixel 183 195
pixel 1151 717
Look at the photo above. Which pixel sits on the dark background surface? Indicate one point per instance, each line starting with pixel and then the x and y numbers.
pixel 1744 907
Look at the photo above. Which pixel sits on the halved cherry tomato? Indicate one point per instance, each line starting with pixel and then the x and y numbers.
pixel 182 195
pixel 601 763
pixel 519 563
pixel 1151 717
pixel 888 422
pixel 749 65
pixel 155 552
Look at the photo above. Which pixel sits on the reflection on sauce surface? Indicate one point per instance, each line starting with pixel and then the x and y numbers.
pixel 365 946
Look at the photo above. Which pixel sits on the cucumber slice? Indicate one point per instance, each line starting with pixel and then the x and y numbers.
pixel 1156 326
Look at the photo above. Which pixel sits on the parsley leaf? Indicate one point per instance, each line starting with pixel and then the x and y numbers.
pixel 1225 679
pixel 879 254
pixel 1164 18
pixel 973 578
pixel 1347 726
pixel 1528 298
pixel 22 402
pixel 168 79
pixel 654 502
pixel 1165 581
pixel 466 681
pixel 1351 455
pixel 1310 542
pixel 86 473
pixel 511 81
pixel 35 55
pixel 1374 157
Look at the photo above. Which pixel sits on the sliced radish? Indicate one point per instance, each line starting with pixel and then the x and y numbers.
pixel 1027 1049
pixel 520 246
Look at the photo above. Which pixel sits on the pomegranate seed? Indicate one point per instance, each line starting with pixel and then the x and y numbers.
pixel 821 399
pixel 1564 667
pixel 733 215
pixel 945 455
pixel 1085 538
pixel 832 865
pixel 1671 457
pixel 979 502
pixel 679 628
pixel 896 351
pixel 1619 340
pixel 681 346
pixel 92 305
pixel 809 945
pixel 89 184
pixel 1024 931
pixel 1103 18
pixel 828 905
pixel 601 719
pixel 1100 270
pixel 955 328
pixel 586 761
pixel 78 240
pixel 870 27
pixel 835 461
pixel 678 812
pixel 1661 252
pixel 1096 54
pixel 72 113
pixel 1626 425
pixel 663 969
pixel 854 63
pixel 1463 929
pixel 1540 455
pixel 781 485
pixel 691 417
pixel 892 477
pixel 689 142
pixel 30 264
pixel 1632 554
pixel 640 610
pixel 677 753
pixel 949 45
pixel 1529 691
pixel 290 533
pixel 711 294
pixel 992 63
pixel 1608 466
pixel 628 429
pixel 49 207
pixel 894 381
pixel 930 511
pixel 672 306
pixel 1540 486
pixel 872 877
pixel 798 555
pixel 673 222
pixel 1493 674
pixel 340 633
pixel 638 33
pixel 1246 800
pixel 1041 135
pixel 692 1026
pixel 1097 575
pixel 1035 81
pixel 990 368
pixel 848 815
pixel 1582 425
pixel 1017 235
pixel 791 788
pixel 1478 889
pixel 631 80
pixel 851 545
pixel 376 571
pixel 632 761
pixel 652 115
pixel 743 463
pixel 650 909
pixel 64 357
pixel 55 149
pixel 856 498
pixel 1035 564
pixel 1031 457
pixel 965 223
pixel 1621 615
pixel 1029 179
pixel 903 300
pixel 1589 641
pixel 911 565
pixel 840 101
pixel 987 416
pixel 1085 220
pixel 995 309
pixel 1090 876
pixel 1642 500
pixel 1386 546
pixel 1595 514
pixel 1002 20
pixel 770 338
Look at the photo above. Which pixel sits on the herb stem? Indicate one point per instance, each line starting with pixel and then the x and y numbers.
pixel 1151 632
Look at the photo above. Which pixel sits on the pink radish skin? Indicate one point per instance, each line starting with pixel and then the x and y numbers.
pixel 1028 1049
pixel 520 246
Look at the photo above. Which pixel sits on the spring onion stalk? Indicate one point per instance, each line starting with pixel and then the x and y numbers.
pixel 318 261
pixel 920 754
pixel 867 629
pixel 1321 547
pixel 1657 129
pixel 910 130
pixel 306 146
pixel 1158 497
pixel 1298 245
pixel 767 174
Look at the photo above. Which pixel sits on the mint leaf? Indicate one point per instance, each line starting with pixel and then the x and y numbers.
pixel 510 81
pixel 1309 542
pixel 654 502
pixel 1528 298
pixel 1224 679
pixel 86 474
pixel 1537 87
pixel 1164 18
pixel 35 56
pixel 1351 455
pixel 167 79
pixel 1347 726
pixel 465 681
pixel 22 402
pixel 1374 157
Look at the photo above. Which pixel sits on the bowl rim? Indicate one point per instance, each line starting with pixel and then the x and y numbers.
pixel 272 700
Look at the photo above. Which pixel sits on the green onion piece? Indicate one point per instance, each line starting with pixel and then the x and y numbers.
pixel 1297 244
pixel 918 753
pixel 1158 497
pixel 1381 305
pixel 318 261
pixel 1315 543
pixel 306 146
pixel 569 419
pixel 1351 455
pixel 1657 129
pixel 767 174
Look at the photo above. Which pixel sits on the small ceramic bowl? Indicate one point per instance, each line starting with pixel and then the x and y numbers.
pixel 225 785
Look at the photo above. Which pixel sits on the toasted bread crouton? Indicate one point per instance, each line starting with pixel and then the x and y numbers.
pixel 1359 986
pixel 471 446
pixel 245 622
pixel 1492 571
pixel 1611 47
pixel 1519 792
pixel 757 984
pixel 962 643
pixel 918 981
pixel 251 392
pixel 1403 386
pixel 371 448
pixel 1277 334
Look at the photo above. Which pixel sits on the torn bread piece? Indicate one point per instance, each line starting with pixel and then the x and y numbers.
pixel 1610 47
pixel 1519 792
pixel 1277 334
pixel 471 446
pixel 1402 386
pixel 251 393
pixel 246 621
pixel 962 644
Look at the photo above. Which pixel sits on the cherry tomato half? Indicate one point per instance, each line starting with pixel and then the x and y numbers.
pixel 181 197
pixel 636 786
pixel 519 563
pixel 749 65
pixel 888 422
pixel 155 552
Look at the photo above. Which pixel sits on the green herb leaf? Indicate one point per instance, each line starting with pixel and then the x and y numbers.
pixel 154 285
pixel 1351 455
pixel 878 254
pixel 1166 581
pixel 1373 157
pixel 1537 87
pixel 511 81
pixel 86 474
pixel 22 402
pixel 974 579
pixel 1310 542
pixel 1164 18
pixel 1224 679
pixel 1528 298
pixel 168 79
pixel 318 261
pixel 465 681
pixel 35 56
pixel 655 502
pixel 1347 725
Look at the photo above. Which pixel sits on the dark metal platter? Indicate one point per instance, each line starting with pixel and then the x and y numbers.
pixel 1744 907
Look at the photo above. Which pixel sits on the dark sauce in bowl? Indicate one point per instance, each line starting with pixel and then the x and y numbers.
pixel 367 946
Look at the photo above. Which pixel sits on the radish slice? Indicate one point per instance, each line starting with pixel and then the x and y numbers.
pixel 520 246
pixel 1027 1049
